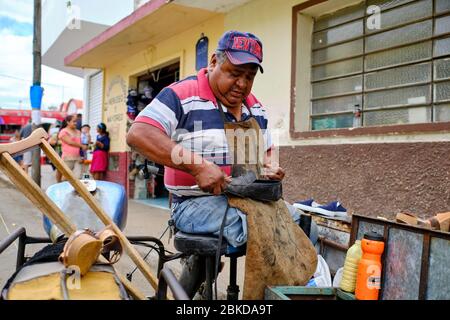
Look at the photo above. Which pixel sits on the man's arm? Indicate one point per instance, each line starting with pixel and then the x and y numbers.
pixel 155 145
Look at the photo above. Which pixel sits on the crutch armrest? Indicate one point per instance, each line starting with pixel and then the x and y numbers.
pixel 35 139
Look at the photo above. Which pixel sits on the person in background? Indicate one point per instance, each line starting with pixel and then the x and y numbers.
pixel 99 163
pixel 79 121
pixel 70 138
pixel 85 140
pixel 53 140
pixel 25 132
pixel 132 101
pixel 15 138
pixel 145 99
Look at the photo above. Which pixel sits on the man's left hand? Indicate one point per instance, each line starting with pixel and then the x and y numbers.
pixel 274 172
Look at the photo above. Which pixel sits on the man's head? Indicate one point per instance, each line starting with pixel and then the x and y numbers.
pixel 233 67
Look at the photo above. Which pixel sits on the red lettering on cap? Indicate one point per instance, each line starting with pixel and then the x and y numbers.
pixel 249 45
pixel 257 50
pixel 239 43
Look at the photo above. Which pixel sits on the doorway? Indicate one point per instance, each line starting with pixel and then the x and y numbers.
pixel 148 87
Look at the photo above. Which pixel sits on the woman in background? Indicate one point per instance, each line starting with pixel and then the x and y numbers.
pixel 85 140
pixel 99 163
pixel 70 138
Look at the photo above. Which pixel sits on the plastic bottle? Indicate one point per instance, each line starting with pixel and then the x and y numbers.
pixel 354 254
pixel 368 280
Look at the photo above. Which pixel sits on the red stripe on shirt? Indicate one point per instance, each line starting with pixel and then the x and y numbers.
pixel 185 89
pixel 150 121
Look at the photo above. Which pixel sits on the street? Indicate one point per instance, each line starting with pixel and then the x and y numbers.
pixel 17 211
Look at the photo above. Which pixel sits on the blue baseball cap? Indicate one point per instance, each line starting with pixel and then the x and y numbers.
pixel 101 126
pixel 241 48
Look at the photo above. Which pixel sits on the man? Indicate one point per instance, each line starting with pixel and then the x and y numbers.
pixel 186 121
pixel 228 80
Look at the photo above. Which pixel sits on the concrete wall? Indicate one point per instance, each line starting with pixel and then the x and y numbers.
pixel 371 179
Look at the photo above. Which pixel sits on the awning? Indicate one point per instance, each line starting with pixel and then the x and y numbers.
pixel 152 23
pixel 67 42
pixel 21 117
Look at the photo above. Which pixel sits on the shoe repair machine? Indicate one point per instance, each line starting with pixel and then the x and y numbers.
pixel 69 207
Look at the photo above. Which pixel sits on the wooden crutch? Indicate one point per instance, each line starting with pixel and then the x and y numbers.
pixel 33 192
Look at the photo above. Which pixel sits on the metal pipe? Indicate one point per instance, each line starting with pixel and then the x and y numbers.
pixel 11 238
pixel 21 250
pixel 333 244
pixel 166 277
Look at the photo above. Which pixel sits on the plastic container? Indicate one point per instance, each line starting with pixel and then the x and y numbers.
pixel 354 254
pixel 338 277
pixel 322 276
pixel 110 195
pixel 368 280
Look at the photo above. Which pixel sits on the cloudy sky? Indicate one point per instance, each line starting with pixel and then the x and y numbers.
pixel 16 62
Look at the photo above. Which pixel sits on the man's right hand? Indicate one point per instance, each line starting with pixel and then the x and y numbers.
pixel 210 178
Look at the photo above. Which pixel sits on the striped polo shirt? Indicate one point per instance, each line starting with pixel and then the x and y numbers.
pixel 188 113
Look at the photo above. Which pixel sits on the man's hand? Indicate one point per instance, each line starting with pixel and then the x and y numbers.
pixel 210 178
pixel 274 172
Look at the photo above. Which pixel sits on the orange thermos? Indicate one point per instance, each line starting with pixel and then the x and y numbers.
pixel 368 279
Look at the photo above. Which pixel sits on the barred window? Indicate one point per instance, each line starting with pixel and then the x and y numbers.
pixel 396 74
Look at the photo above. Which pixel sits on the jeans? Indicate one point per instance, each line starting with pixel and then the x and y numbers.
pixel 204 215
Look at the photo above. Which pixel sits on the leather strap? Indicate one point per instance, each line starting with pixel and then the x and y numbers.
pixel 111 244
pixel 64 256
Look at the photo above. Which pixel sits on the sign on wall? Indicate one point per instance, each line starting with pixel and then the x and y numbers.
pixel 201 53
pixel 115 111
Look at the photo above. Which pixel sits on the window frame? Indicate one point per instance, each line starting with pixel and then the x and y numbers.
pixel 435 127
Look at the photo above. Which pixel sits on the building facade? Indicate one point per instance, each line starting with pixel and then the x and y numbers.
pixel 357 92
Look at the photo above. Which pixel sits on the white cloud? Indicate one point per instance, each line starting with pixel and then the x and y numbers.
pixel 16 57
pixel 70 86
pixel 20 10
pixel 16 63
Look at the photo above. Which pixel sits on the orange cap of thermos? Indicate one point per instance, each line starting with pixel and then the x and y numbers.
pixel 368 279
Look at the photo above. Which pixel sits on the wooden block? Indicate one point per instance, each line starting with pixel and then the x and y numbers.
pixel 442 220
pixel 409 218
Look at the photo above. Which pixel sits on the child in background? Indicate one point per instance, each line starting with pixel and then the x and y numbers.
pixel 99 163
pixel 85 140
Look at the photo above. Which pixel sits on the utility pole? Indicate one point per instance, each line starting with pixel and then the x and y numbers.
pixel 36 90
